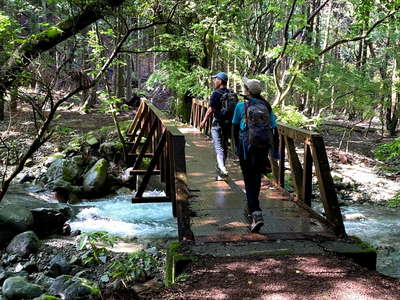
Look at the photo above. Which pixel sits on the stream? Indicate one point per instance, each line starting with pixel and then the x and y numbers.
pixel 117 215
pixel 377 225
pixel 380 227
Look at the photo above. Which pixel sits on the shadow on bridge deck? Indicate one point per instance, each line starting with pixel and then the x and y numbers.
pixel 218 206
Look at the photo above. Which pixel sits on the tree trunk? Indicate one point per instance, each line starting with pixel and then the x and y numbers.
pixel 392 117
pixel 128 83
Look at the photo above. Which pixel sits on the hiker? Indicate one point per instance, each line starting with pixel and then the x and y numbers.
pixel 253 126
pixel 221 107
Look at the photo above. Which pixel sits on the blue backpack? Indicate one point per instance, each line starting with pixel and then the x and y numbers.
pixel 257 119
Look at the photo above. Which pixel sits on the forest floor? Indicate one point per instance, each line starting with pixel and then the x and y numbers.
pixel 305 277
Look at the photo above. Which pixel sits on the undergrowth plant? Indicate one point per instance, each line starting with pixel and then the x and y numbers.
pixel 94 244
pixel 388 151
pixel 395 201
pixel 292 116
pixel 137 266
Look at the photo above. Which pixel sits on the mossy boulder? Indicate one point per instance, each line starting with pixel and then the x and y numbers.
pixel 19 288
pixel 14 219
pixel 111 150
pixel 68 170
pixel 24 244
pixel 73 288
pixel 94 180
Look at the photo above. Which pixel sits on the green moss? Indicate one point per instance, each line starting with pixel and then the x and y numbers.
pixel 175 263
pixel 47 297
pixel 395 201
pixel 365 247
pixel 94 289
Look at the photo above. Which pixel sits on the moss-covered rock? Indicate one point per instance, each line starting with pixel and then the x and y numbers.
pixel 19 288
pixel 95 178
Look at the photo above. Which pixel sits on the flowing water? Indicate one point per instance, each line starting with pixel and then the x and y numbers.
pixel 380 227
pixel 377 225
pixel 119 216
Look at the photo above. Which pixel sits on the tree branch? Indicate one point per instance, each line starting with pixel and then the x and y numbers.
pixel 38 43
pixel 361 37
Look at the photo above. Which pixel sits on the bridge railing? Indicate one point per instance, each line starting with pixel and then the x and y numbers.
pixel 301 171
pixel 151 135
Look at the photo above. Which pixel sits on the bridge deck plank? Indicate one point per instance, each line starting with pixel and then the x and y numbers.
pixel 218 205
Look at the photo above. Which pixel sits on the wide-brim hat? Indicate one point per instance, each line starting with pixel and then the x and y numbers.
pixel 254 86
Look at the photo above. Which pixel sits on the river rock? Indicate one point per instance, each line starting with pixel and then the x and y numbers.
pixel 46 297
pixel 53 157
pixel 111 150
pixel 95 178
pixel 59 266
pixel 68 170
pixel 73 288
pixel 354 217
pixel 48 221
pixel 24 244
pixel 15 218
pixel 16 288
pixel 44 281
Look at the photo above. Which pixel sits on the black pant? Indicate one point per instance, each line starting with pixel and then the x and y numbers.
pixel 253 165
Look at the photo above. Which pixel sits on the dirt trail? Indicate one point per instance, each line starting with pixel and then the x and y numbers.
pixel 280 278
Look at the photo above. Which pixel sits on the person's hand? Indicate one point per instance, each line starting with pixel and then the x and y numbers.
pixel 276 155
pixel 202 125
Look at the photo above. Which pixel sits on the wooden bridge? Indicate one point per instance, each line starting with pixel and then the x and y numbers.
pixel 208 210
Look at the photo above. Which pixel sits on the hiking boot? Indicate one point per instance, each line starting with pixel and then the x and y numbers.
pixel 257 221
pixel 222 174
pixel 221 177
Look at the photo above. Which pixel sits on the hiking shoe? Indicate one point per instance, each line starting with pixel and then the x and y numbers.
pixel 223 172
pixel 221 178
pixel 257 221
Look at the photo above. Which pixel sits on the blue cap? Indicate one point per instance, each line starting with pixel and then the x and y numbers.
pixel 221 75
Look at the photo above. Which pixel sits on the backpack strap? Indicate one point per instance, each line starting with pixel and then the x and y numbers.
pixel 245 112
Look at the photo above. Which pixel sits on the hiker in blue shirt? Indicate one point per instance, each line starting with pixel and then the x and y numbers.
pixel 219 132
pixel 253 160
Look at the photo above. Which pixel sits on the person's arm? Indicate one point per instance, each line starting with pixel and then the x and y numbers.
pixel 236 126
pixel 209 113
pixel 275 137
pixel 211 108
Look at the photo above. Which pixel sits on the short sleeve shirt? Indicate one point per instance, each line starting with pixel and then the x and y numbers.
pixel 238 116
pixel 215 102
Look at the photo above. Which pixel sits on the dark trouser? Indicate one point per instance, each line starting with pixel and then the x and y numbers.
pixel 253 166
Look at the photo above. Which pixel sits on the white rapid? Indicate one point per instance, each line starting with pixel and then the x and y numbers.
pixel 119 216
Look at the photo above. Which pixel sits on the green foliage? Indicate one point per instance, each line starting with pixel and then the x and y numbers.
pixel 389 151
pixel 175 75
pixel 93 243
pixel 290 115
pixel 62 130
pixel 137 266
pixel 395 201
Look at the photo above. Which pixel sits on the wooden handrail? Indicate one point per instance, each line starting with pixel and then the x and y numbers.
pixel 314 155
pixel 152 132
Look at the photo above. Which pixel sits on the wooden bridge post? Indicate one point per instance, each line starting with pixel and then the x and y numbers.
pixel 177 143
pixel 295 166
pixel 326 186
pixel 307 175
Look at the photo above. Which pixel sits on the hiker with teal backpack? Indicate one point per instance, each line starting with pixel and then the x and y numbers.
pixel 222 104
pixel 254 125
